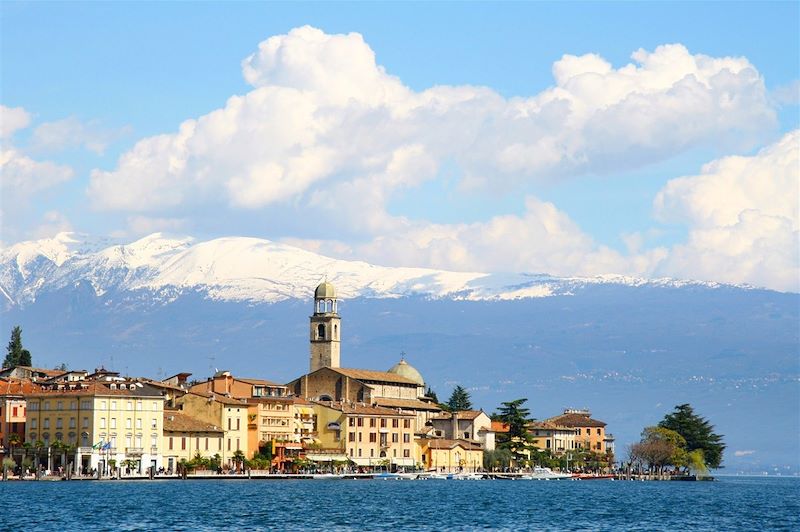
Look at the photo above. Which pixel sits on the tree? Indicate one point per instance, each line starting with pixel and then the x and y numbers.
pixel 658 448
pixel 459 400
pixel 698 433
pixel 517 439
pixel 430 393
pixel 16 355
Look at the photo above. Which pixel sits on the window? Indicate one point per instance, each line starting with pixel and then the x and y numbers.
pixel 360 422
pixel 113 405
pixel 237 444
pixel 46 405
pixel 59 405
pixel 130 405
pixel 170 443
pixel 102 405
pixel 229 427
pixel 237 423
pixel 351 422
pixel 206 444
pixel 183 443
pixel 372 453
pixel 73 405
pixel 359 437
pixel 139 423
pixel 197 443
pixel 395 437
pixel 351 437
pixel 359 452
pixel 229 444
pixel 113 422
pixel 406 438
pixel 34 425
pixel 128 424
pixel 406 453
pixel 34 406
pixel 153 441
pixel 128 441
pixel 46 423
pixel 320 331
pixel 155 406
pixel 154 423
pixel 72 422
pixel 383 423
pixel 102 422
pixel 373 437
pixel 598 432
pixel 139 404
pixel 372 422
pixel 395 423
pixel 597 446
pixel 406 423
pixel 86 404
pixel 548 444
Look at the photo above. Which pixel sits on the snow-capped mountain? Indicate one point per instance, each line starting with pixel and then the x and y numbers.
pixel 251 269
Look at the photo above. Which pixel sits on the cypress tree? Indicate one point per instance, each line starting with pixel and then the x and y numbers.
pixel 16 355
pixel 459 400
pixel 698 433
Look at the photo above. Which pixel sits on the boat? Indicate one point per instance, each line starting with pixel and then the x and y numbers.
pixel 590 476
pixel 326 476
pixel 544 473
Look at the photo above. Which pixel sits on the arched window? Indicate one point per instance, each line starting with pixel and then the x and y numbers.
pixel 321 331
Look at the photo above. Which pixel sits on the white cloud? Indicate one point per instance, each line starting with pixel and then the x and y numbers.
pixel 52 223
pixel 21 176
pixel 323 113
pixel 743 220
pixel 72 133
pixel 743 453
pixel 12 119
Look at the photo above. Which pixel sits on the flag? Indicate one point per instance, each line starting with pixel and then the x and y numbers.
pixel 107 446
pixel 98 445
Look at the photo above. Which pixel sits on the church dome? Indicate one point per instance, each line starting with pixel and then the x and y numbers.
pixel 404 369
pixel 325 291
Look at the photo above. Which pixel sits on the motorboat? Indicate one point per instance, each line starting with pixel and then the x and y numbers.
pixel 544 473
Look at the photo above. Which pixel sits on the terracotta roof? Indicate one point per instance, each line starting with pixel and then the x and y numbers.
pixel 441 443
pixel 548 425
pixel 370 375
pixel 162 384
pixel 220 398
pixel 499 426
pixel 96 388
pixel 260 382
pixel 408 404
pixel 176 422
pixel 18 387
pixel 297 400
pixel 462 414
pixel 48 372
pixel 576 420
pixel 363 409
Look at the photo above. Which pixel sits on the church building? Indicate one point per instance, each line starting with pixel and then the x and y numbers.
pixel 401 388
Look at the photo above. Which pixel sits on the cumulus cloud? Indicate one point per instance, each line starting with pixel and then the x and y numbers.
pixel 72 133
pixel 323 113
pixel 742 214
pixel 12 119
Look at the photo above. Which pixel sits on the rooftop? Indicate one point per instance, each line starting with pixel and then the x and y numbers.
pixel 175 421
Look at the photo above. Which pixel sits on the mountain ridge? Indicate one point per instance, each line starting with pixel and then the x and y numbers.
pixel 259 270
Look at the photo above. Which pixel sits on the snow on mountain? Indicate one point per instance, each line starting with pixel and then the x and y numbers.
pixel 251 269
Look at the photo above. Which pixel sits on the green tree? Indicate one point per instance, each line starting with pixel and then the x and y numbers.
pixel 430 393
pixel 660 447
pixel 16 355
pixel 517 439
pixel 698 433
pixel 459 400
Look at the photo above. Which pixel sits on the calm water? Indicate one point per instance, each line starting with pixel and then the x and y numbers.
pixel 730 503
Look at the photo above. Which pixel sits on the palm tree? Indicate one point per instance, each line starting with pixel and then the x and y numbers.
pixel 13 441
pixel 38 445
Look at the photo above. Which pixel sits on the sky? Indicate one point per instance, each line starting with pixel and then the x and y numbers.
pixel 644 139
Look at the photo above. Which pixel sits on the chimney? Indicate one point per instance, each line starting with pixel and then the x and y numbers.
pixel 454 418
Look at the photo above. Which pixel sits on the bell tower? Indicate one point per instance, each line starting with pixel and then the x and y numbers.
pixel 325 328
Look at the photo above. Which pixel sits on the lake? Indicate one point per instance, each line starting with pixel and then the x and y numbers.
pixel 745 503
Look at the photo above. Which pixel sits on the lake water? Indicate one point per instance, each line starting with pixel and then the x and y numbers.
pixel 727 504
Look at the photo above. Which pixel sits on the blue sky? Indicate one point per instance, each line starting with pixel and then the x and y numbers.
pixel 475 182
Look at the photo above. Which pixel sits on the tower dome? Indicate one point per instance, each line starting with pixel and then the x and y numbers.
pixel 325 290
pixel 404 369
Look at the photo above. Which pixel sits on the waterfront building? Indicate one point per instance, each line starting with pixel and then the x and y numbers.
pixel 451 455
pixel 369 436
pixel 103 422
pixel 590 433
pixel 186 437
pixel 228 413
pixel 12 412
pixel 471 425
pixel 553 437
pixel 269 417
pixel 28 372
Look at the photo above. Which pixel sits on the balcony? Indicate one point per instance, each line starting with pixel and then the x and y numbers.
pixel 134 451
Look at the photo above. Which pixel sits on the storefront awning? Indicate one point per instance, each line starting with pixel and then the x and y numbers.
pixel 367 462
pixel 316 457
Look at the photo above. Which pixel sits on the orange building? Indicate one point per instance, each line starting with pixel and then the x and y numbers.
pixel 590 433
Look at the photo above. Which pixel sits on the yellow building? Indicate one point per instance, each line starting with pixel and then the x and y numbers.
pixel 553 437
pixel 225 412
pixel 369 436
pixel 186 437
pixel 115 420
pixel 590 433
pixel 452 456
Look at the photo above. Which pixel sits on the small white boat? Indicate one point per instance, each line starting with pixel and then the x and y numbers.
pixel 326 476
pixel 544 473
